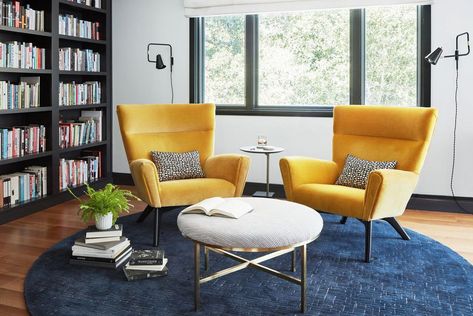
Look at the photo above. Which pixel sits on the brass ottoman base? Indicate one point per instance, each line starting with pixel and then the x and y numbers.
pixel 254 263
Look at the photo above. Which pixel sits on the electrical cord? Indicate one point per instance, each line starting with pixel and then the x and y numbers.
pixel 172 88
pixel 452 175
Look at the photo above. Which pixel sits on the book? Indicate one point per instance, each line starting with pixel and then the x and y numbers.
pixel 147 257
pixel 233 208
pixel 99 264
pixel 132 275
pixel 147 267
pixel 101 239
pixel 115 231
pixel 86 249
pixel 105 246
pixel 102 258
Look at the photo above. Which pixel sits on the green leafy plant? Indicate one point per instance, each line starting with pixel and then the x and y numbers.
pixel 110 199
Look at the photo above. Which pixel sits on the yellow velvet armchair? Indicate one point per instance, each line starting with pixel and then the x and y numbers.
pixel 177 128
pixel 371 133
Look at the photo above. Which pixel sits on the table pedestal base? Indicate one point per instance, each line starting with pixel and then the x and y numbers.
pixel 263 194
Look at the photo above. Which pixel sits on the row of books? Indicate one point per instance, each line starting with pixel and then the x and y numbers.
pixel 23 186
pixel 102 248
pixel 72 26
pixel 75 59
pixel 22 95
pixel 110 249
pixel 74 93
pixel 22 140
pixel 87 130
pixel 22 55
pixel 91 3
pixel 76 172
pixel 14 14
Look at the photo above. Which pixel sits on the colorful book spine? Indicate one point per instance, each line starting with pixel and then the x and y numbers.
pixel 73 93
pixel 75 59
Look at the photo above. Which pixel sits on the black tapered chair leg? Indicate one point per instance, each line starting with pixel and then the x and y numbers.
pixel 343 220
pixel 368 229
pixel 145 214
pixel 157 226
pixel 395 224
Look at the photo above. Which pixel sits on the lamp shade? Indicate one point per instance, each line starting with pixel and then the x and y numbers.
pixel 434 56
pixel 159 62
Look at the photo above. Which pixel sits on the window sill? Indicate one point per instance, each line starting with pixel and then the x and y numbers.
pixel 277 111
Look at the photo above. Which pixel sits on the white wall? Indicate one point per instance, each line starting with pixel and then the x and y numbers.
pixel 137 81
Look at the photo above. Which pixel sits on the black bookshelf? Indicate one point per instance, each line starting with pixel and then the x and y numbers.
pixel 50 113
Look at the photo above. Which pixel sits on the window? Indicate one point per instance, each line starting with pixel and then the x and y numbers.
pixel 298 64
pixel 391 51
pixel 304 63
pixel 225 60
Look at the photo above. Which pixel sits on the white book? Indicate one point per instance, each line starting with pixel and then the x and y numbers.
pixel 147 267
pixel 230 207
pixel 84 250
pixel 14 189
pixel 104 255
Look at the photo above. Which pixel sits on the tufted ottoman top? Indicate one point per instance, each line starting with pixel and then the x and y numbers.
pixel 272 224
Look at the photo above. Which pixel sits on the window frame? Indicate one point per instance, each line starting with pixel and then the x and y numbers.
pixel 357 67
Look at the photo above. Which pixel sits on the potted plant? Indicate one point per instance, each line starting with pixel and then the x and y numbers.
pixel 103 205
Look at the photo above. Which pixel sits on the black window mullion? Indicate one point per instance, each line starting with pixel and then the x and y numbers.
pixel 251 62
pixel 423 48
pixel 357 56
pixel 197 42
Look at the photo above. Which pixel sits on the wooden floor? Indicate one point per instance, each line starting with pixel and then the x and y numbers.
pixel 23 240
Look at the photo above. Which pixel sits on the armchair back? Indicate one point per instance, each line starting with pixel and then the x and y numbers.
pixel 383 133
pixel 167 127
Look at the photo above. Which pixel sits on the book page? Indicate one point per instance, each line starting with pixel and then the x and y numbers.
pixel 233 208
pixel 204 206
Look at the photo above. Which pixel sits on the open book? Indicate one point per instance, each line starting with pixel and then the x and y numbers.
pixel 234 208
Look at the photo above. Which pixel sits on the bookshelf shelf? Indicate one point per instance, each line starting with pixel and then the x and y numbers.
pixel 26 71
pixel 52 114
pixel 30 110
pixel 83 40
pixel 79 148
pixel 25 158
pixel 24 31
pixel 82 6
pixel 82 73
pixel 83 107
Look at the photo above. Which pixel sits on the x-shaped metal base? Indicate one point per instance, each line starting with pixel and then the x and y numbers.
pixel 245 263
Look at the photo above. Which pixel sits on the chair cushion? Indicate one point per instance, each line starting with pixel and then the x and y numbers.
pixel 356 171
pixel 175 166
pixel 331 198
pixel 191 191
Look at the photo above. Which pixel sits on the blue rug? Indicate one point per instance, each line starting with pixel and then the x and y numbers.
pixel 416 277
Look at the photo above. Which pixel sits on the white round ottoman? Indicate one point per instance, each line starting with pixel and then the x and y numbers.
pixel 274 226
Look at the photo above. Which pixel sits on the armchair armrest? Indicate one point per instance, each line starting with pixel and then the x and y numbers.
pixel 230 167
pixel 387 193
pixel 145 177
pixel 302 170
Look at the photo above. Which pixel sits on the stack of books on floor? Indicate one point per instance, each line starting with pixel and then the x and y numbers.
pixel 102 248
pixel 145 264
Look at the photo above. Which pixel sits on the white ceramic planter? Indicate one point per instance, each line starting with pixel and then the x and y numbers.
pixel 103 222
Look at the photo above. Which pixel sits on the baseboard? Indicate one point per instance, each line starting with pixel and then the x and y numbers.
pixel 425 202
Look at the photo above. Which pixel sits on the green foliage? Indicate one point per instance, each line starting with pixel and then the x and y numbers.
pixel 304 57
pixel 101 202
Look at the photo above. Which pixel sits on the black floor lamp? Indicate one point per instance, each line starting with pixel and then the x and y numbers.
pixel 433 58
pixel 159 62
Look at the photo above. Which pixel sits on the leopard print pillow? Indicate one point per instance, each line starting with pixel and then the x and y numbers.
pixel 175 166
pixel 356 171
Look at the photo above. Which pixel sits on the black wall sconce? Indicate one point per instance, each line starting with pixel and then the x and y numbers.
pixel 158 60
pixel 434 56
